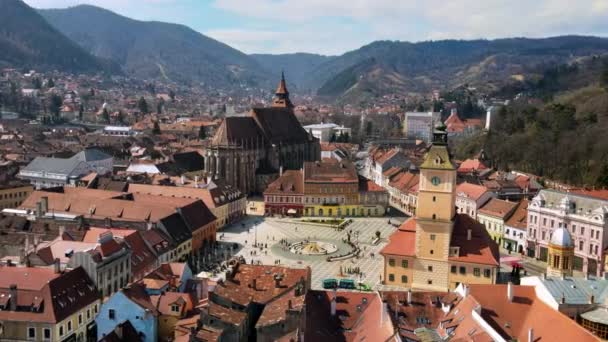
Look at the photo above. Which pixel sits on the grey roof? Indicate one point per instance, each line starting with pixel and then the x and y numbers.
pixel 581 203
pixel 52 165
pixel 65 165
pixel 599 315
pixel 577 290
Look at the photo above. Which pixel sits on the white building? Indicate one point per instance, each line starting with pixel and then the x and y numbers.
pixel 471 197
pixel 324 132
pixel 420 125
pixel 118 131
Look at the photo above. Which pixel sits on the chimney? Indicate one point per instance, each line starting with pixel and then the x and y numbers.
pixel 333 303
pixel 510 291
pixel 13 300
pixel 44 200
pixel 289 306
pixel 196 181
pixel 57 265
pixel 409 297
pixel 466 290
pixel 469 234
pixel 531 335
pixel 277 280
pixel 182 179
pixel 591 299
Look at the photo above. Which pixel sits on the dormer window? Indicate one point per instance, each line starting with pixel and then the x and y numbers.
pixel 175 308
pixel 438 160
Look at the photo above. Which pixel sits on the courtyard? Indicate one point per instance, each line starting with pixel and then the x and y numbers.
pixel 268 240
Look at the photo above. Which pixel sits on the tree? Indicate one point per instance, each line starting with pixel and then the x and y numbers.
pixel 50 83
pixel 202 135
pixel 420 108
pixel 369 128
pixel 121 117
pixel 332 138
pixel 159 106
pixel 143 105
pixel 172 95
pixel 81 112
pixel 55 104
pixel 105 116
pixel 604 77
pixel 156 128
pixel 345 137
pixel 37 83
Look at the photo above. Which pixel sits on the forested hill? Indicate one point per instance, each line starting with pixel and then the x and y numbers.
pixel 28 41
pixel 557 129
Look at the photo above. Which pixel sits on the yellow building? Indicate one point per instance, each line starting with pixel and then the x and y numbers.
pixel 12 195
pixel 172 307
pixel 439 249
pixel 561 254
pixel 62 305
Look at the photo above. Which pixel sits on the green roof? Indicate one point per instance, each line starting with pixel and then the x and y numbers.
pixel 437 157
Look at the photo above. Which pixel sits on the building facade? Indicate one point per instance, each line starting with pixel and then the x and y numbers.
pixel 420 125
pixel 471 197
pixel 12 195
pixel 247 152
pixel 583 214
pixel 439 249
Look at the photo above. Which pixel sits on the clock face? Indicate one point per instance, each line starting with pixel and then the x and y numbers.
pixel 435 180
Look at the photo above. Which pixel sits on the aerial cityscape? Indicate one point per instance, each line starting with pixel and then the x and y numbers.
pixel 280 170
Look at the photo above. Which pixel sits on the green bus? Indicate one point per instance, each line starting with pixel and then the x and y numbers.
pixel 330 283
pixel 347 284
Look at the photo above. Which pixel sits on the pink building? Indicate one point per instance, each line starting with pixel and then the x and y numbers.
pixel 584 214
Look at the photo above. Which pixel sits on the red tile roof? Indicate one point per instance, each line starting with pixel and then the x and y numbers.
pixel 513 319
pixel 290 183
pixel 519 219
pixel 498 208
pixel 471 165
pixel 359 317
pixel 56 295
pixel 330 171
pixel 472 191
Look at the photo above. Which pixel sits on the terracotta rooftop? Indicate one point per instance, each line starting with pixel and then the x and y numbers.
pixel 513 319
pixel 471 165
pixel 290 183
pixel 164 302
pixel 472 191
pixel 240 287
pixel 276 311
pixel 359 317
pixel 519 219
pixel 330 171
pixel 43 295
pixel 406 181
pixel 498 208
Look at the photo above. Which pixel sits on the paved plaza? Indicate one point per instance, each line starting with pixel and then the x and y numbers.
pixel 270 232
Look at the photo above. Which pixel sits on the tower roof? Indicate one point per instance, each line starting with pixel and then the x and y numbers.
pixel 282 88
pixel 561 238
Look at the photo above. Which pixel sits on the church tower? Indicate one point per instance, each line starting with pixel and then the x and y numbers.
pixel 434 215
pixel 281 96
pixel 561 253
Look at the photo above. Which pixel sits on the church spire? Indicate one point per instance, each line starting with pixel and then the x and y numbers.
pixel 281 98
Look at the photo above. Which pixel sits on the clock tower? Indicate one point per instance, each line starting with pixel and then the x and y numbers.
pixel 435 215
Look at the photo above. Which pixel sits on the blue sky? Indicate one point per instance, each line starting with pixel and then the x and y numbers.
pixel 337 26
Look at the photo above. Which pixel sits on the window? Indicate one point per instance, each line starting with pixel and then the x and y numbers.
pixel 434 216
pixel 434 198
pixel 404 263
pixel 391 262
pixel 111 314
pixel 476 272
pixel 463 270
pixel 544 221
pixel 430 282
pixel 391 277
pixel 432 237
pixel 552 223
pixel 573 228
pixel 69 326
pixel 454 269
pixel 95 308
pixel 61 330
pixel 430 268
pixel 79 319
pixel 404 279
pixel 582 230
pixel 47 333
pixel 487 273
pixel 580 245
pixel 88 314
pixel 31 333
pixel 432 251
pixel 175 308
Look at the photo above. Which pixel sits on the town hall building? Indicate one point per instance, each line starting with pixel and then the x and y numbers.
pixel 248 152
pixel 439 249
